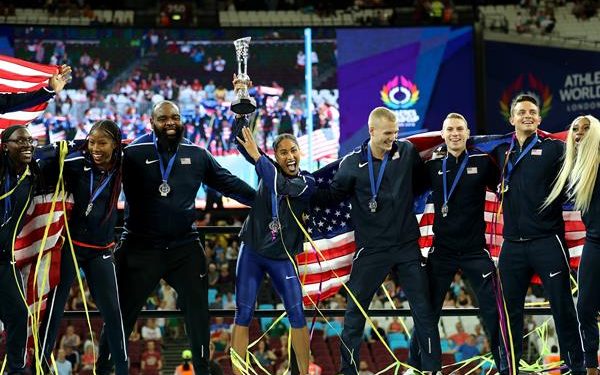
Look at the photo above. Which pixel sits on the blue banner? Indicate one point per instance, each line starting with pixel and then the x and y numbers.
pixel 566 83
pixel 421 74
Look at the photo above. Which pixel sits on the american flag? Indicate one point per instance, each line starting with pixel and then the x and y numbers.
pixel 333 233
pixel 22 76
pixel 325 142
pixel 17 76
pixel 29 252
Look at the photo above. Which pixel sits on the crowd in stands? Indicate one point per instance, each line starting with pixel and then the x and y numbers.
pixel 585 9
pixel 95 94
pixel 533 18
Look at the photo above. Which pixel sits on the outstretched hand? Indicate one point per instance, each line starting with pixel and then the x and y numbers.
pixel 58 81
pixel 249 143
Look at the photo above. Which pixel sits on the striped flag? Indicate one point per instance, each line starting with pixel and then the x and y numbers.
pixel 18 76
pixel 333 232
pixel 325 142
pixel 29 252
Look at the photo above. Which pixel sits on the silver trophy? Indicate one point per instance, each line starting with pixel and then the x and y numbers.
pixel 244 103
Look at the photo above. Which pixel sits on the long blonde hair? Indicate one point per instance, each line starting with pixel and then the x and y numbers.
pixel 580 166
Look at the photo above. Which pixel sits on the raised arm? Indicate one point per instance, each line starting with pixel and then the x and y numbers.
pixel 17 102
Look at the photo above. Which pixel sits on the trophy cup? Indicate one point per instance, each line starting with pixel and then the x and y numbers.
pixel 243 104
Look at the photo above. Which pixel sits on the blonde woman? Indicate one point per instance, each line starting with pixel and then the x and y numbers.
pixel 578 176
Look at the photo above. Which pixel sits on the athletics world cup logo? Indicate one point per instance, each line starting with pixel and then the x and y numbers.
pixel 399 93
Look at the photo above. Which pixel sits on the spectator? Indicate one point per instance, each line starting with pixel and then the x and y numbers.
pixel 70 338
pixel 468 349
pixel 169 296
pixel 219 64
pixel 222 342
pixel 373 337
pixel 264 356
pixel 72 355
pixel 208 66
pixel 63 366
pixel 460 336
pixel 364 369
pixel 219 325
pixel 463 299
pixel 396 326
pixel 150 331
pixel 213 275
pixel 88 359
pixel 480 337
pixel 522 23
pixel 151 363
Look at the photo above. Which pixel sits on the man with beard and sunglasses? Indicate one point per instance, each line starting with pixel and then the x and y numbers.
pixel 162 172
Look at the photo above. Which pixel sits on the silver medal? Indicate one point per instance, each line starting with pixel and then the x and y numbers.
pixel 89 209
pixel 373 205
pixel 274 226
pixel 164 189
pixel 444 210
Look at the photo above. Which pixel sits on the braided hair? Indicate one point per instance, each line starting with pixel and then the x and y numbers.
pixel 112 130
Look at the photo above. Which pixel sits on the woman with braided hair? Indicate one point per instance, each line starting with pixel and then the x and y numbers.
pixel 93 175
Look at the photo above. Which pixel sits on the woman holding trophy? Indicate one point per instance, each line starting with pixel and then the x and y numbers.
pixel 271 235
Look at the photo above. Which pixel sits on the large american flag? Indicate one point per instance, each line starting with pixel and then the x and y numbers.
pixel 38 245
pixel 333 232
pixel 17 76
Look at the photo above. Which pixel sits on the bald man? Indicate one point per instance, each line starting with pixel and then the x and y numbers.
pixel 381 178
pixel 162 172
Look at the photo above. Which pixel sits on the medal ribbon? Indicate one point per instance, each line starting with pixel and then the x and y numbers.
pixel 510 166
pixel 375 187
pixel 164 173
pixel 6 196
pixel 461 169
pixel 100 188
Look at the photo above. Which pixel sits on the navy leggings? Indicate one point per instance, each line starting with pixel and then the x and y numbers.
pixel 250 271
pixel 588 303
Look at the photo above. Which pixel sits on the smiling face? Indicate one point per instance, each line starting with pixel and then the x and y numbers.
pixel 101 147
pixel 166 122
pixel 455 133
pixel 383 133
pixel 19 147
pixel 287 155
pixel 525 117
